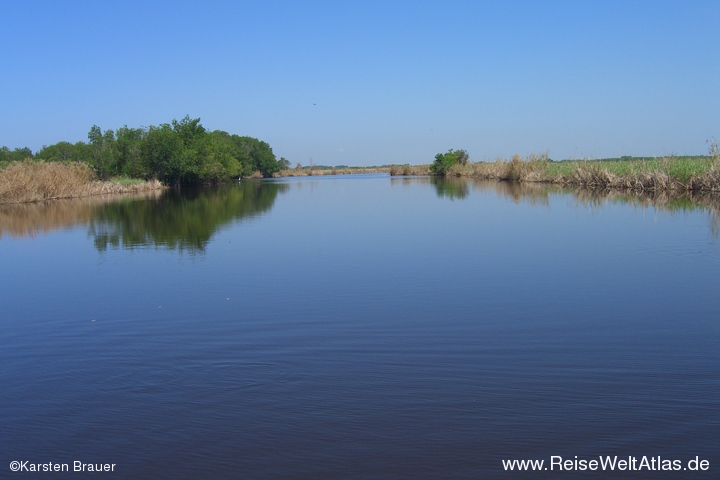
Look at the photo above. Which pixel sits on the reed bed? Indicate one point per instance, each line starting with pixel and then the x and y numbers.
pixel 664 174
pixel 35 181
pixel 672 174
pixel 310 172
pixel 409 170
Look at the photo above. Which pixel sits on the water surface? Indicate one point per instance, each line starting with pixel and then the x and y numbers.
pixel 359 327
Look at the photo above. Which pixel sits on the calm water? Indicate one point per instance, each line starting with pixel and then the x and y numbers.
pixel 359 327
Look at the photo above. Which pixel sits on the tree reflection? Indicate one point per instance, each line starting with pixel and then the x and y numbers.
pixel 183 219
pixel 450 187
pixel 180 219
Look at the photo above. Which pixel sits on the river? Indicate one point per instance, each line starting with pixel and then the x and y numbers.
pixel 361 327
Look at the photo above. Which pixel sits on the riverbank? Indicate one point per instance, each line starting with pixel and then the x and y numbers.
pixel 35 181
pixel 319 171
pixel 670 174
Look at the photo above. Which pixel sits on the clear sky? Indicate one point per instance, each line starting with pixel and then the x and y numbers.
pixel 371 82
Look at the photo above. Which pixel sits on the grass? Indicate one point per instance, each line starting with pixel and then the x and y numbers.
pixel 313 171
pixel 638 174
pixel 34 181
pixel 657 174
pixel 407 169
pixel 127 181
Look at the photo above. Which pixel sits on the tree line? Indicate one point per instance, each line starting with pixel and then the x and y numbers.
pixel 181 152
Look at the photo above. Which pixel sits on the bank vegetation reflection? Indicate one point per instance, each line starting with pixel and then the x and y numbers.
pixel 183 220
pixel 187 219
pixel 539 194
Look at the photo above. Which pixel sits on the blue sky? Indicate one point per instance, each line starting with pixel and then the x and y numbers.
pixel 366 82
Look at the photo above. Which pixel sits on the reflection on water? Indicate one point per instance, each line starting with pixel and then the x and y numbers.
pixel 175 219
pixel 31 219
pixel 451 188
pixel 183 220
pixel 538 194
pixel 186 219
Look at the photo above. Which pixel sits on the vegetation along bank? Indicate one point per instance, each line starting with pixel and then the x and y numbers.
pixel 184 152
pixel 133 159
pixel 674 173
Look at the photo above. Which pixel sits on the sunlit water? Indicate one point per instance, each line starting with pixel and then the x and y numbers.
pixel 359 327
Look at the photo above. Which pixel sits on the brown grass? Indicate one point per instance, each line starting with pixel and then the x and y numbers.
pixel 31 181
pixel 706 182
pixel 530 169
pixel 407 170
pixel 309 172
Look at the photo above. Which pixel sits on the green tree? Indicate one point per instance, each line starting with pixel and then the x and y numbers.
pixel 128 149
pixel 182 152
pixel 444 161
pixel 259 153
pixel 65 152
pixel 190 159
pixel 219 162
pixel 203 157
pixel 102 145
pixel 161 149
pixel 190 130
pixel 230 145
pixel 19 154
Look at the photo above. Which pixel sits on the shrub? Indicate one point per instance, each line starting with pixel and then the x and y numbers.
pixel 444 161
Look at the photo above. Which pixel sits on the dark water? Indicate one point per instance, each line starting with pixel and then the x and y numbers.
pixel 360 327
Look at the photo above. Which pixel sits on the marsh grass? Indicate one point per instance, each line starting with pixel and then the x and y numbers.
pixel 409 170
pixel 658 174
pixel 314 171
pixel 677 174
pixel 34 181
pixel 663 174
pixel 645 174
pixel 534 168
pixel 127 181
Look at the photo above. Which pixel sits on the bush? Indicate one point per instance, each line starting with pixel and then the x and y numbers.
pixel 444 161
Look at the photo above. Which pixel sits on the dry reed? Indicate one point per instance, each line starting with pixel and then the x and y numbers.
pixel 31 181
pixel 408 170
pixel 309 172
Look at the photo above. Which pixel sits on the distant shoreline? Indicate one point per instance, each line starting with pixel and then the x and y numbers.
pixel 638 174
pixel 319 171
pixel 35 181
